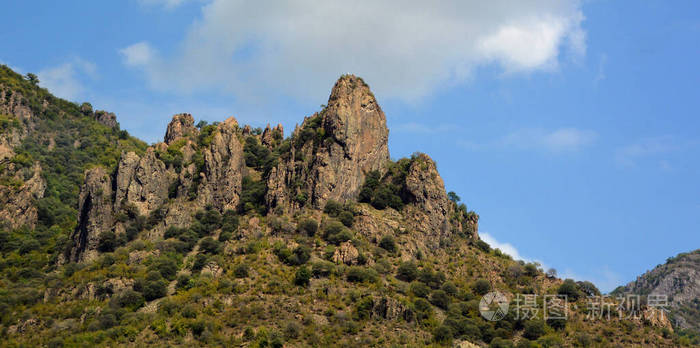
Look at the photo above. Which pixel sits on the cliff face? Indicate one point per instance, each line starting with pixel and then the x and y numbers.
pixel 21 184
pixel 333 150
pixel 167 184
pixel 679 279
pixel 327 158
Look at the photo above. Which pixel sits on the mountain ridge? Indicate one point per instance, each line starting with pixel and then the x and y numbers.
pixel 230 235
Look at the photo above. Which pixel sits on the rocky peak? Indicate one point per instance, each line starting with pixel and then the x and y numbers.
pixel 337 147
pixel 108 119
pixel 180 126
pixel 355 120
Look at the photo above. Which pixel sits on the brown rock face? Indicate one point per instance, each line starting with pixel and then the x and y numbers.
pixel 150 186
pixel 336 148
pixel 429 212
pixel 17 207
pixel 180 126
pixel 95 209
pixel 108 119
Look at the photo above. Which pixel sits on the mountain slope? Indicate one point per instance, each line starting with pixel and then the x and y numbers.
pixel 228 235
pixel 679 279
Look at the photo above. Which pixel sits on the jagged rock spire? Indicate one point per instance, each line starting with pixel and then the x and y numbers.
pixel 354 142
pixel 180 126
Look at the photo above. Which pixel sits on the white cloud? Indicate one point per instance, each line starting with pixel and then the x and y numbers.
pixel 504 247
pixel 554 141
pixel 658 149
pixel 604 278
pixel 138 55
pixel 167 4
pixel 405 50
pixel 64 80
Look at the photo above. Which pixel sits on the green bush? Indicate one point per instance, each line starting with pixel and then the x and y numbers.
pixel 302 276
pixel 407 271
pixel 420 289
pixel 333 208
pixel 570 289
pixel 533 329
pixel 129 299
pixel 336 233
pixel 107 241
pixel 440 299
pixel 481 287
pixel 442 334
pixel 347 218
pixel 209 245
pixel 308 226
pixel 166 267
pixel 241 271
pixel 388 243
pixel 322 269
pixel 430 278
pixel 357 274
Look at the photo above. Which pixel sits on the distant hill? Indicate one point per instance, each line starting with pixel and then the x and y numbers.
pixel 679 279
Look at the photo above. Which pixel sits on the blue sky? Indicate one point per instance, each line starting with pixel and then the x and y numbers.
pixel 571 127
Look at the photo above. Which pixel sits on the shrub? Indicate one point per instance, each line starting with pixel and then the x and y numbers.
pixel 388 243
pixel 183 282
pixel 440 299
pixel 302 277
pixel 588 288
pixel 530 270
pixel 533 329
pixel 107 241
pixel 241 271
pixel 333 208
pixel 154 289
pixel 199 262
pixel 443 334
pixel 483 246
pixel 450 288
pixel 407 271
pixel 570 289
pixel 420 289
pixel 210 246
pixel 166 267
pixel 129 299
pixel 430 278
pixel 308 227
pixel 322 269
pixel 422 308
pixel 499 342
pixel 481 287
pixel 363 308
pixel 336 233
pixel 357 274
pixel 347 218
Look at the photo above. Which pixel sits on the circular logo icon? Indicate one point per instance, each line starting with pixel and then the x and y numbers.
pixel 493 306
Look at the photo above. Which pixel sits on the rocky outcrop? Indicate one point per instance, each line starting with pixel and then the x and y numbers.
pixel 180 126
pixel 17 207
pixel 332 150
pixel 12 103
pixel 271 136
pixel 95 209
pixel 679 280
pixel 108 119
pixel 168 194
pixel 346 253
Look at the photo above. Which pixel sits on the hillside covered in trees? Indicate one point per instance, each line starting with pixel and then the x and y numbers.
pixel 228 235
